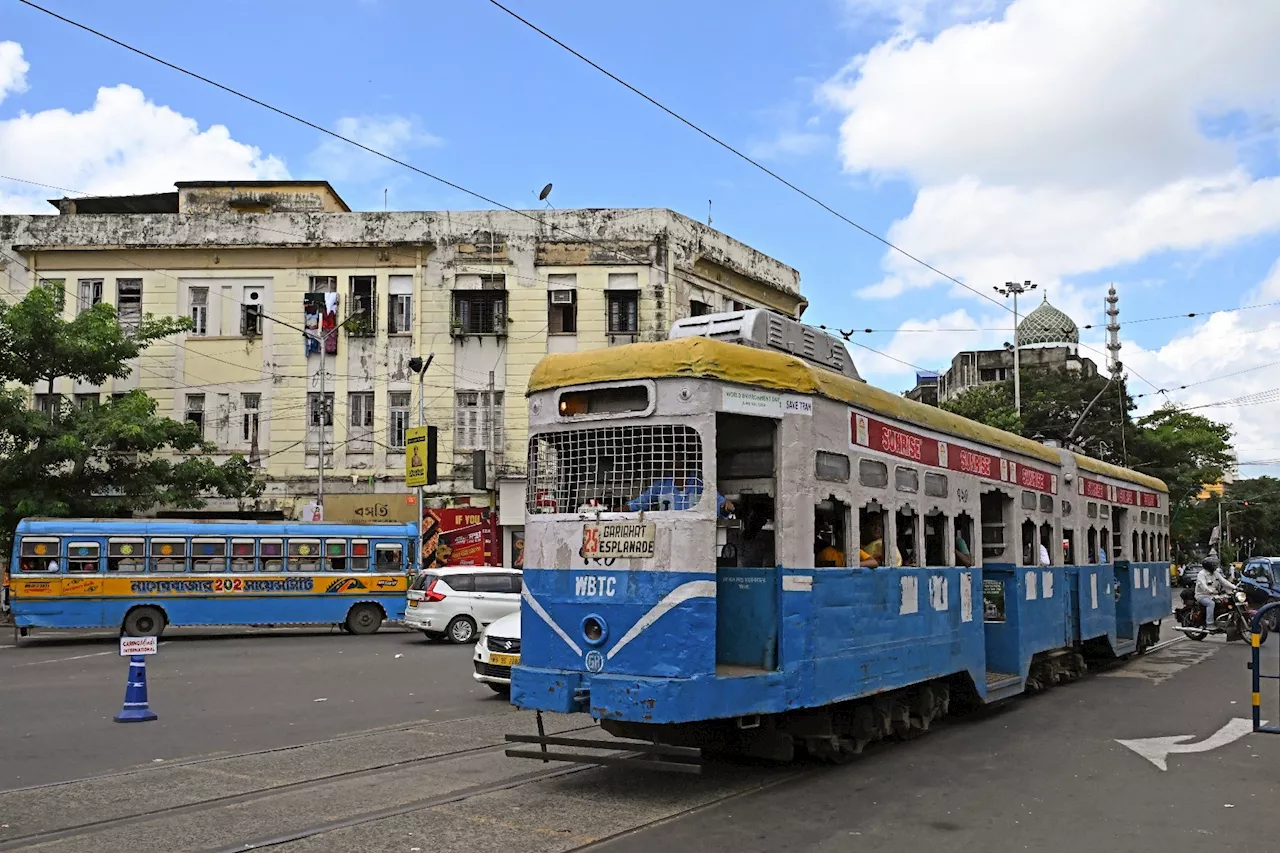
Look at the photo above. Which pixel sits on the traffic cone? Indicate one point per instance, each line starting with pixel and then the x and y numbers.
pixel 136 709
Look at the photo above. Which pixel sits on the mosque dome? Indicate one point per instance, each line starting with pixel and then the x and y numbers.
pixel 1047 325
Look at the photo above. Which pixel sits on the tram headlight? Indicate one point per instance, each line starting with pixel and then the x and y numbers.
pixel 594 630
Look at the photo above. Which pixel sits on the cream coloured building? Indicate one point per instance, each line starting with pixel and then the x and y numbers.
pixel 487 293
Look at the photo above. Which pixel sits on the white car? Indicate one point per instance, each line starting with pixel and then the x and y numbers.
pixel 455 603
pixel 498 651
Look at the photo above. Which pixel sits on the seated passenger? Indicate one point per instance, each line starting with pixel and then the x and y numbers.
pixel 677 490
pixel 963 557
pixel 828 555
pixel 871 554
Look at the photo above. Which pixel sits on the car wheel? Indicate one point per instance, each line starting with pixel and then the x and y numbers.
pixel 501 689
pixel 461 630
pixel 144 622
pixel 433 636
pixel 364 619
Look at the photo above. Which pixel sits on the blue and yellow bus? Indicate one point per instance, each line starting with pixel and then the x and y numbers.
pixel 141 575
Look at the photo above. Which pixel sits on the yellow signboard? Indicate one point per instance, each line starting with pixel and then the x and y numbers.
pixel 415 457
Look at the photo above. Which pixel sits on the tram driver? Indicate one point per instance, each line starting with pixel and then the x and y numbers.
pixel 678 488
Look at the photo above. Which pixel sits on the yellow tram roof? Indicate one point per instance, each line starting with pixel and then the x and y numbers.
pixel 705 358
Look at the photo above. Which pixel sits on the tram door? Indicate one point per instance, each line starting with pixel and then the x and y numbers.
pixel 1124 574
pixel 747 584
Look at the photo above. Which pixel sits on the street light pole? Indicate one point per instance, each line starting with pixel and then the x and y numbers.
pixel 1013 288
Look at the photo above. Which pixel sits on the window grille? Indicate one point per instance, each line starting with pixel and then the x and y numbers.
pixel 624 312
pixel 399 419
pixel 613 467
pixel 480 312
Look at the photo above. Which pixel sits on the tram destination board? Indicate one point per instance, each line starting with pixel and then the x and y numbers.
pixel 625 539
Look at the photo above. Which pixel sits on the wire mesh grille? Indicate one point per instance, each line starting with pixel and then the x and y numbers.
pixel 616 468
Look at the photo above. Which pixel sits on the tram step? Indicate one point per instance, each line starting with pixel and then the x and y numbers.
pixel 997 680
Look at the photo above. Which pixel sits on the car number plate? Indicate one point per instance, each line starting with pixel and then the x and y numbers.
pixel 504 660
pixel 413 603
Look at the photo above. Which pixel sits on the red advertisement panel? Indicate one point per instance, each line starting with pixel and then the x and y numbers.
pixel 457 537
pixel 1095 489
pixel 874 434
pixel 1150 500
pixel 1128 497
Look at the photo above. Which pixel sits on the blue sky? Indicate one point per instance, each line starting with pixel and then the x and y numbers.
pixel 1071 144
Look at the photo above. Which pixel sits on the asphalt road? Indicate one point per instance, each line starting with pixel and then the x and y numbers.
pixel 218 692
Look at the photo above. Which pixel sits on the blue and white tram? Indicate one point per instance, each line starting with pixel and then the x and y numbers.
pixel 730 546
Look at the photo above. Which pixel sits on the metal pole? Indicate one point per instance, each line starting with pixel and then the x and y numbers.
pixel 489 460
pixel 422 422
pixel 1017 378
pixel 324 339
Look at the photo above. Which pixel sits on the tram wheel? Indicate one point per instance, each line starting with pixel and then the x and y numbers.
pixel 144 622
pixel 364 619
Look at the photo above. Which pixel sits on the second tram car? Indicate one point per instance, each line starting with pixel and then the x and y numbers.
pixel 733 542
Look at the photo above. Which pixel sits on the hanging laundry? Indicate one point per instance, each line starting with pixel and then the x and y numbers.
pixel 329 324
pixel 313 311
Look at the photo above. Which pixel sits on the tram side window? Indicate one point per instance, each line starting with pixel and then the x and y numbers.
pixel 906 522
pixel 935 485
pixel 304 555
pixel 335 555
pixel 208 555
pixel 38 555
pixel 1104 553
pixel 1092 542
pixel 830 528
pixel 935 538
pixel 1066 509
pixel 168 556
pixel 1028 500
pixel 1135 553
pixel 390 557
pixel 873 473
pixel 126 556
pixel 271 554
pixel 906 479
pixel 1144 546
pixel 1068 547
pixel 1030 548
pixel 82 557
pixel 1046 504
pixel 1092 510
pixel 871 553
pixel 242 555
pixel 359 561
pixel 1046 544
pixel 964 540
pixel 993 511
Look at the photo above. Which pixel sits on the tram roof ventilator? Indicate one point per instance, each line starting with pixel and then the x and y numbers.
pixel 766 330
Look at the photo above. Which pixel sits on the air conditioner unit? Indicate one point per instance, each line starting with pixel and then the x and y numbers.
pixel 562 297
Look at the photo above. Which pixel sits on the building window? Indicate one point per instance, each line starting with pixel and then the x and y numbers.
pixel 316 409
pixel 48 404
pixel 362 321
pixel 250 405
pixel 360 420
pixel 129 303
pixel 735 305
pixel 199 297
pixel 251 321
pixel 399 421
pixel 471 420
pixel 90 293
pixel 562 312
pixel 323 284
pixel 195 411
pixel 698 308
pixel 624 312
pixel 400 311
pixel 479 312
pixel 85 401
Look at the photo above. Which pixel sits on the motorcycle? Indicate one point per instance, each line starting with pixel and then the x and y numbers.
pixel 1232 616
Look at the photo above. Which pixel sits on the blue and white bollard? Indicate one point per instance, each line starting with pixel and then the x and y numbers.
pixel 136 709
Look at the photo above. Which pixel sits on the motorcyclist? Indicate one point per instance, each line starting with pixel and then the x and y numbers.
pixel 1208 584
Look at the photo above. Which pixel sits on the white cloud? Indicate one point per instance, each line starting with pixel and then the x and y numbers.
pixel 396 135
pixel 1066 137
pixel 123 144
pixel 790 143
pixel 13 69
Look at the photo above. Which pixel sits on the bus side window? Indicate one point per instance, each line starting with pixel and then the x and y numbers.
pixel 208 555
pixel 271 553
pixel 304 555
pixel 38 555
pixel 242 555
pixel 359 561
pixel 126 556
pixel 168 556
pixel 82 557
pixel 389 558
pixel 335 555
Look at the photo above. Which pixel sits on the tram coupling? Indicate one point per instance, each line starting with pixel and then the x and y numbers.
pixel 637 755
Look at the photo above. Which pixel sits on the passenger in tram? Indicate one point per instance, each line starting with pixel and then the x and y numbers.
pixel 679 489
pixel 827 555
pixel 963 557
pixel 872 554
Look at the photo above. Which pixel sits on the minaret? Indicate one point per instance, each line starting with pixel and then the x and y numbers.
pixel 1113 332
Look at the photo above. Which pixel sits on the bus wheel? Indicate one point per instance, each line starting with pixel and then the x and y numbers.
pixel 364 619
pixel 144 622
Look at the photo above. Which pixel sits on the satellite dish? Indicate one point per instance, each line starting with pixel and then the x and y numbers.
pixel 546 191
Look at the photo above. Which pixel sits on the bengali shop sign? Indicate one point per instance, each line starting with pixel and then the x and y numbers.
pixel 874 434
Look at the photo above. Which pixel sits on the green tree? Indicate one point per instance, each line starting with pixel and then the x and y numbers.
pixel 110 459
pixel 989 404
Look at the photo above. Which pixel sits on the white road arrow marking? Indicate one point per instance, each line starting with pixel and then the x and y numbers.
pixel 1158 749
